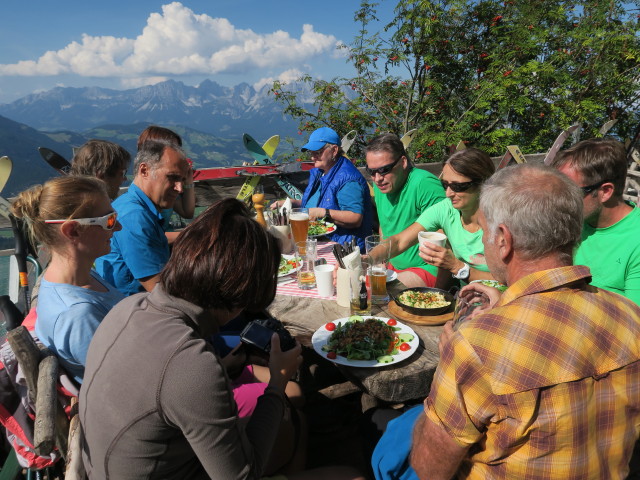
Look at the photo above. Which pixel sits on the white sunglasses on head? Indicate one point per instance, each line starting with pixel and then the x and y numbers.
pixel 107 222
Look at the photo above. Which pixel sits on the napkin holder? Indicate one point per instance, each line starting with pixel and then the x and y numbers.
pixel 343 287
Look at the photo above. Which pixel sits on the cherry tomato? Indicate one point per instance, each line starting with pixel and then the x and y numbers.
pixel 331 355
pixel 404 347
pixel 392 343
pixel 330 326
pixel 391 322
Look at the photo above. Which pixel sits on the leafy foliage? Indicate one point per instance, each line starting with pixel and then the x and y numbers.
pixel 491 73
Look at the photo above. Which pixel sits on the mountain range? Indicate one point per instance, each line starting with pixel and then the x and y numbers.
pixel 210 118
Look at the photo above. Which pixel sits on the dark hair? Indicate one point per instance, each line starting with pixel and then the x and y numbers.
pixel 387 142
pixel 472 163
pixel 100 158
pixel 154 132
pixel 151 153
pixel 597 159
pixel 224 259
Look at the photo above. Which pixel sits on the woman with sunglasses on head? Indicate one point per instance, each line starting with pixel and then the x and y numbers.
pixel 463 258
pixel 72 217
pixel 337 191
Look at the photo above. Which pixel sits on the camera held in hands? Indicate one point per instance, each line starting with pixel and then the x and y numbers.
pixel 258 334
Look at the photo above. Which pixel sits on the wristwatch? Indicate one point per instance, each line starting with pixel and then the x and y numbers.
pixel 463 273
pixel 327 214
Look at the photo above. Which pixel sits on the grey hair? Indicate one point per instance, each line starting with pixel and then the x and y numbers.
pixel 541 208
pixel 151 153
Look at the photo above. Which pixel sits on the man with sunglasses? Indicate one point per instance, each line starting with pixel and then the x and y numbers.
pixel 401 194
pixel 140 250
pixel 610 246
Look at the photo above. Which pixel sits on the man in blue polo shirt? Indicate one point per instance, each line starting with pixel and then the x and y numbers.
pixel 140 250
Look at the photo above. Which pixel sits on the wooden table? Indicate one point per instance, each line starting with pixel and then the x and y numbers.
pixel 407 380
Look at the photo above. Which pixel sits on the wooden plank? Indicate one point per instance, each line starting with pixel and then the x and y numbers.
pixel 44 430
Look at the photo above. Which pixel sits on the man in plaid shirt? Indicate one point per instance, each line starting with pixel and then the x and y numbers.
pixel 545 384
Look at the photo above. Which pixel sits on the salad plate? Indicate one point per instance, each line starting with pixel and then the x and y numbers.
pixel 318 228
pixel 322 336
pixel 288 264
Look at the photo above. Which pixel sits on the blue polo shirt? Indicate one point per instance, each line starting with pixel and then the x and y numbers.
pixel 140 249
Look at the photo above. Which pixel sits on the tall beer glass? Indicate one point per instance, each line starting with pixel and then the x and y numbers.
pixel 378 250
pixel 299 220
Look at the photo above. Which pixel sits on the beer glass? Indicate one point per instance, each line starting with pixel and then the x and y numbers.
pixel 299 221
pixel 378 249
pixel 307 252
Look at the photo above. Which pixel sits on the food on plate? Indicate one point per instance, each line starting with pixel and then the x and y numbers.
pixel 318 227
pixel 366 339
pixel 287 265
pixel 417 299
pixel 492 283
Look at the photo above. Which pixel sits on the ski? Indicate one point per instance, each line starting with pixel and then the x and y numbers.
pixel 517 155
pixel 57 161
pixel 407 138
pixel 347 141
pixel 5 171
pixel 551 154
pixel 250 184
pixel 261 157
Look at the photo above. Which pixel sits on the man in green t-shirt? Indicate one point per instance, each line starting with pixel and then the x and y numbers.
pixel 401 193
pixel 610 246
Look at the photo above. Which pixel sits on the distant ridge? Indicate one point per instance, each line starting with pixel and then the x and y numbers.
pixel 225 112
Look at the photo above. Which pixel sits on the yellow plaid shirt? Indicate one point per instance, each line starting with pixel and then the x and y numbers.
pixel 546 384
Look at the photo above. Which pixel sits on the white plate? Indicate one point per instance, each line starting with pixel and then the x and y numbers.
pixel 328 225
pixel 321 338
pixel 391 275
pixel 293 270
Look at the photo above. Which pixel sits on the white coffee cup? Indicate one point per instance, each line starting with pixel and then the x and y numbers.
pixel 436 238
pixel 324 279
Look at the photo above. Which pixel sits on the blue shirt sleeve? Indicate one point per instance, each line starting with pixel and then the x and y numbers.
pixel 143 245
pixel 350 198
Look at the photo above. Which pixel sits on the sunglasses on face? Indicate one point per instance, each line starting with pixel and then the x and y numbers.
pixel 382 171
pixel 590 188
pixel 457 186
pixel 108 222
pixel 317 153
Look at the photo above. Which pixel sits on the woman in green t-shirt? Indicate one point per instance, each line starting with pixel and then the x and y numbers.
pixel 463 256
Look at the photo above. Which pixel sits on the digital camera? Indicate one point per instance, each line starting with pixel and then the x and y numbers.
pixel 258 334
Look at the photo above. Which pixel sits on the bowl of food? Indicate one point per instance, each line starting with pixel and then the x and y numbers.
pixel 424 300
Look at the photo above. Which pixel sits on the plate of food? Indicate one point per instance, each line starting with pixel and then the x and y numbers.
pixel 491 283
pixel 365 341
pixel 289 264
pixel 424 300
pixel 318 228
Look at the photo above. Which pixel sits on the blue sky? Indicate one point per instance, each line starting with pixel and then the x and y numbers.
pixel 124 44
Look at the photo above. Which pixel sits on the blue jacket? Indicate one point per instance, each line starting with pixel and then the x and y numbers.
pixel 330 184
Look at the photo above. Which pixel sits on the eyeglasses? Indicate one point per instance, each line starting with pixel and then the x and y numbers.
pixel 590 188
pixel 382 171
pixel 457 186
pixel 317 153
pixel 108 222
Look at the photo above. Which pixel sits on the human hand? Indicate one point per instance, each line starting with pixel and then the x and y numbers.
pixel 438 256
pixel 315 213
pixel 445 336
pixel 276 204
pixel 282 365
pixel 235 361
pixel 476 287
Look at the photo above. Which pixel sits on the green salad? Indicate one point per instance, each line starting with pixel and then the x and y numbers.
pixel 492 283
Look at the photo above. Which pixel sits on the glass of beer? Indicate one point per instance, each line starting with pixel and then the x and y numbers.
pixel 378 249
pixel 299 220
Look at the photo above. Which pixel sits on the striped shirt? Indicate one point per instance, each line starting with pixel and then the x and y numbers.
pixel 546 384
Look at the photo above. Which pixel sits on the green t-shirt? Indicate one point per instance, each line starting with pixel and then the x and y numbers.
pixel 613 255
pixel 466 246
pixel 397 211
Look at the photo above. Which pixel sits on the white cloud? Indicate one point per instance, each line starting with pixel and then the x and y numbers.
pixel 287 76
pixel 178 42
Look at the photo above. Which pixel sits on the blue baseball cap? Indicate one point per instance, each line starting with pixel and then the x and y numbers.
pixel 320 137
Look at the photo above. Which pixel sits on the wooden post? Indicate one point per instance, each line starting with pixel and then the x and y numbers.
pixel 44 430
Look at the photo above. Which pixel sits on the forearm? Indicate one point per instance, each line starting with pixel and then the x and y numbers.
pixel 185 204
pixel 342 218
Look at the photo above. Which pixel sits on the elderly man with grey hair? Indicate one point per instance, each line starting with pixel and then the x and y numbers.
pixel 140 250
pixel 544 384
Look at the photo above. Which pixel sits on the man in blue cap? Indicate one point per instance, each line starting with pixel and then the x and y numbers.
pixel 337 191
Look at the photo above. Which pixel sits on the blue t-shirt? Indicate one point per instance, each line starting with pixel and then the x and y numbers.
pixel 349 198
pixel 140 249
pixel 67 318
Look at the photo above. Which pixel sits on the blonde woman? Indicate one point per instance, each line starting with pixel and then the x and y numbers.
pixel 72 216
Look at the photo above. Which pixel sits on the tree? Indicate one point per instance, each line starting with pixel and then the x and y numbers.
pixel 491 73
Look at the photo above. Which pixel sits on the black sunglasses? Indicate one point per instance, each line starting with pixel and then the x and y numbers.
pixel 457 186
pixel 590 188
pixel 382 171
